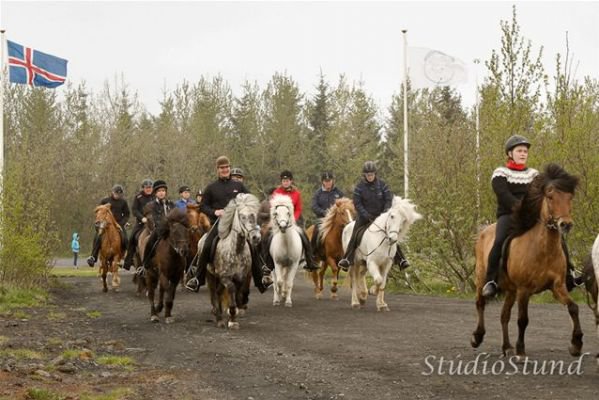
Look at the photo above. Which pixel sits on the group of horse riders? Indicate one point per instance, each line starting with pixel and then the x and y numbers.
pixel 371 198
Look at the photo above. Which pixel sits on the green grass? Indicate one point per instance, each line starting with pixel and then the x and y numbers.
pixel 21 354
pixel 56 316
pixel 116 361
pixel 43 394
pixel 12 298
pixel 70 354
pixel 93 314
pixel 116 394
pixel 54 341
pixel 3 340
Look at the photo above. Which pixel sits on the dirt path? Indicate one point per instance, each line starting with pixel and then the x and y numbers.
pixel 315 350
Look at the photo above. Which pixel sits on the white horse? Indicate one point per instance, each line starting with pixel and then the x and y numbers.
pixel 285 248
pixel 376 250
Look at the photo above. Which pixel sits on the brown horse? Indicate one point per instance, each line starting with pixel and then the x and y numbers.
pixel 330 249
pixel 199 224
pixel 535 261
pixel 168 263
pixel 111 251
pixel 142 240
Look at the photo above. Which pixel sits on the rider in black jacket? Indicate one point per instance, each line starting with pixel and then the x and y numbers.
pixel 120 211
pixel 322 200
pixel 141 199
pixel 372 197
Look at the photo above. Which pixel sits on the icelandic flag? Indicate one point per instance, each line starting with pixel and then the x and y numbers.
pixel 32 67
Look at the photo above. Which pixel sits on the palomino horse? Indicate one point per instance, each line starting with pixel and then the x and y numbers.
pixel 535 259
pixel 376 250
pixel 168 263
pixel 330 249
pixel 228 273
pixel 111 251
pixel 285 248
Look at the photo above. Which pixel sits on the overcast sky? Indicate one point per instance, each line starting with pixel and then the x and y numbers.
pixel 157 45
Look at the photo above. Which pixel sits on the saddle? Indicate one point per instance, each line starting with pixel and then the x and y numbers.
pixel 213 249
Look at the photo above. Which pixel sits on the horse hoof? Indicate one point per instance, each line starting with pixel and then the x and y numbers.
pixel 169 320
pixel 234 325
pixel 334 289
pixel 476 340
pixel 154 318
pixel 356 306
pixel 362 301
pixel 574 350
pixel 116 289
pixel 288 305
pixel 372 291
pixel 334 296
pixel 220 324
pixel 241 312
pixel 383 308
pixel 105 290
pixel 318 296
pixel 276 303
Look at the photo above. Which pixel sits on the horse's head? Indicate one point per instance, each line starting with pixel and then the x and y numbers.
pixel 240 215
pixel 103 217
pixel 177 232
pixel 400 217
pixel 549 199
pixel 198 221
pixel 345 212
pixel 281 212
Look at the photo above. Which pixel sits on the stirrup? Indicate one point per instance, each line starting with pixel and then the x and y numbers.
pixel 91 261
pixel 140 271
pixel 403 264
pixel 267 280
pixel 193 285
pixel 344 264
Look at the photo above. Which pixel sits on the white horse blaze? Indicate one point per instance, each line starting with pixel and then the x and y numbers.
pixel 375 252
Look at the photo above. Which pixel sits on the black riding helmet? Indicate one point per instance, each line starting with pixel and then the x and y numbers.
pixel 515 140
pixel 159 184
pixel 286 175
pixel 146 183
pixel 117 189
pixel 327 175
pixel 369 166
pixel 237 172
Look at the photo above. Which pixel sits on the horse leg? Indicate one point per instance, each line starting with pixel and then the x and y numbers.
pixel 334 279
pixel 104 272
pixel 315 279
pixel 151 283
pixel 561 294
pixel 277 286
pixel 116 279
pixel 523 298
pixel 479 333
pixel 506 313
pixel 362 286
pixel 354 280
pixel 290 278
pixel 232 290
pixel 163 286
pixel 218 304
pixel 170 301
pixel 380 300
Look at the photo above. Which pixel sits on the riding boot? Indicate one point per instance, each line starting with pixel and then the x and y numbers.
pixel 130 252
pixel 400 260
pixel 310 263
pixel 348 257
pixel 123 238
pixel 149 251
pixel 96 250
pixel 314 242
pixel 203 259
pixel 257 269
pixel 490 288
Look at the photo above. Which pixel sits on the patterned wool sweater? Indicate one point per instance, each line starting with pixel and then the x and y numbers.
pixel 510 186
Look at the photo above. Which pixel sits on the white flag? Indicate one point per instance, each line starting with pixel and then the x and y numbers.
pixel 429 68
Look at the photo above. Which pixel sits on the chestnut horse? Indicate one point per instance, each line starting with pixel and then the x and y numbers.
pixel 228 273
pixel 330 249
pixel 168 263
pixel 535 259
pixel 111 251
pixel 199 224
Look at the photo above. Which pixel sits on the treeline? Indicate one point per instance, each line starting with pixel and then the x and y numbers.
pixel 63 155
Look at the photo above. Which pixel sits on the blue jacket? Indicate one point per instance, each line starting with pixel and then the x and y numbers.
pixel 324 199
pixel 371 199
pixel 75 243
pixel 183 203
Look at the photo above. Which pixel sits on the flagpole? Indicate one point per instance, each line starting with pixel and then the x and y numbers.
pixel 2 84
pixel 405 113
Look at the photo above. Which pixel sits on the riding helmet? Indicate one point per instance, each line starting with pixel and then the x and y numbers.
pixel 199 193
pixel 515 140
pixel 327 176
pixel 146 183
pixel 159 184
pixel 184 189
pixel 222 161
pixel 117 189
pixel 237 172
pixel 286 174
pixel 369 166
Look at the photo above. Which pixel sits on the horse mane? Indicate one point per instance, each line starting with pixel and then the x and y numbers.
pixel 408 210
pixel 527 213
pixel 328 221
pixel 280 200
pixel 240 201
